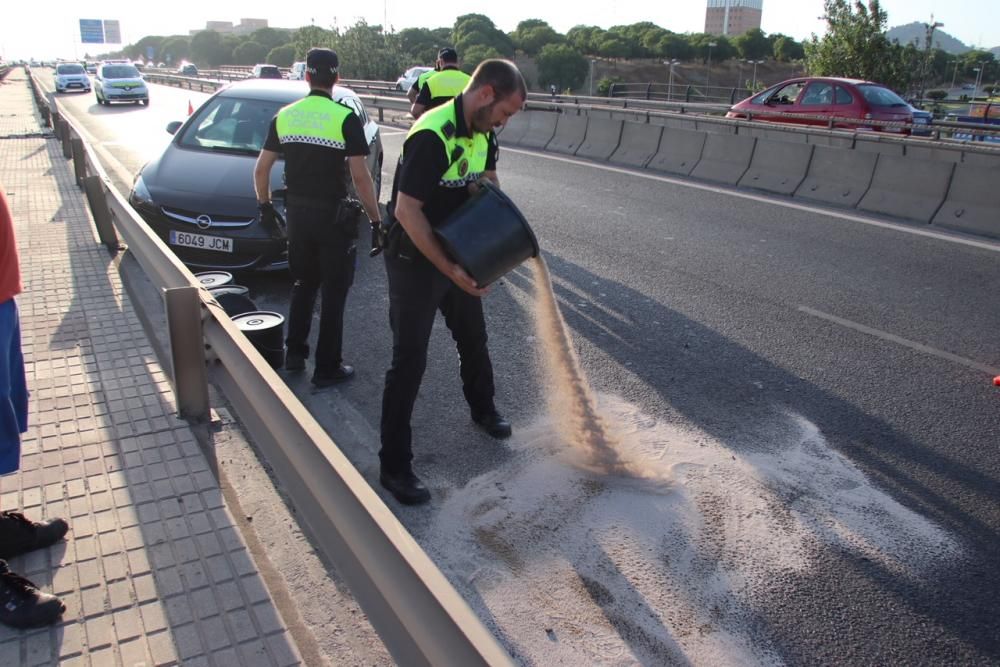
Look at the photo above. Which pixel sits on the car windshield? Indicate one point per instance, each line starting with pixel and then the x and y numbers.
pixel 69 69
pixel 231 123
pixel 120 72
pixel 881 97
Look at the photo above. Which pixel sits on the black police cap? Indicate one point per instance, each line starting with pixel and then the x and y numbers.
pixel 321 60
pixel 448 55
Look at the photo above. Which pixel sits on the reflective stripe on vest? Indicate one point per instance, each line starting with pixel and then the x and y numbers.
pixel 447 83
pixel 313 120
pixel 471 163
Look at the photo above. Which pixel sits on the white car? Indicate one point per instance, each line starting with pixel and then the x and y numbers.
pixel 409 77
pixel 297 71
pixel 71 76
pixel 120 82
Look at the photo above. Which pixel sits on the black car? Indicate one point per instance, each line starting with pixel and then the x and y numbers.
pixel 198 196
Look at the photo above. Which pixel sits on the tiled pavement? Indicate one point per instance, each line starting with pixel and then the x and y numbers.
pixel 153 571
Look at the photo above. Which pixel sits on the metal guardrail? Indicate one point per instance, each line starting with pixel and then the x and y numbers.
pixel 418 614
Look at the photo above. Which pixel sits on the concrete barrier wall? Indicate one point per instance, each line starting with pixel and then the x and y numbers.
pixel 715 127
pixel 541 127
pixel 778 166
pixel 639 144
pixel 907 187
pixel 680 151
pixel 516 128
pixel 601 139
pixel 838 176
pixel 973 201
pixel 835 140
pixel 932 152
pixel 866 145
pixel 988 160
pixel 570 131
pixel 725 158
pixel 678 121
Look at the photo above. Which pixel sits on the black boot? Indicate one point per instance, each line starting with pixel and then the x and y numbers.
pixel 22 605
pixel 493 423
pixel 18 534
pixel 405 486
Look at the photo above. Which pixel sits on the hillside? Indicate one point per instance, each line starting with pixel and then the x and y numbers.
pixel 917 32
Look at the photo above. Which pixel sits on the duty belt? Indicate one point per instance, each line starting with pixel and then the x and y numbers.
pixel 312 202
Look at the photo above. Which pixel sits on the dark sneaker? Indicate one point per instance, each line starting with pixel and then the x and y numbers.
pixel 493 423
pixel 345 372
pixel 295 361
pixel 22 605
pixel 405 486
pixel 18 534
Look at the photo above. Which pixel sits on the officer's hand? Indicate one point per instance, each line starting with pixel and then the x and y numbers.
pixel 271 220
pixel 466 283
pixel 477 186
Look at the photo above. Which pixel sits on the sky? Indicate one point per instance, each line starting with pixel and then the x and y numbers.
pixel 27 33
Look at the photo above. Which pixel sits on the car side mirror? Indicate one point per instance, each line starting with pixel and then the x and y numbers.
pixel 173 126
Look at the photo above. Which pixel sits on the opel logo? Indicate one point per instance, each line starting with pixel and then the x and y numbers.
pixel 203 222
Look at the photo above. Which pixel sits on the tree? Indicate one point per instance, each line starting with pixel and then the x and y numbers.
pixel 753 45
pixel 477 54
pixel 174 49
pixel 307 37
pixel 674 46
pixel 477 30
pixel 422 45
pixel 270 38
pixel 786 49
pixel 585 38
pixel 282 56
pixel 937 95
pixel 856 45
pixel 367 52
pixel 562 65
pixel 249 53
pixel 207 48
pixel 532 35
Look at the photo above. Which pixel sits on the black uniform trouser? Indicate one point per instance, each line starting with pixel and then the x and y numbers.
pixel 321 258
pixel 417 291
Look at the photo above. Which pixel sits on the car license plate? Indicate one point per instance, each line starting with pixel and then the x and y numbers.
pixel 201 241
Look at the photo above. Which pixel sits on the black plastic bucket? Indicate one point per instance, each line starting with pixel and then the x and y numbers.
pixel 234 299
pixel 214 278
pixel 266 330
pixel 487 235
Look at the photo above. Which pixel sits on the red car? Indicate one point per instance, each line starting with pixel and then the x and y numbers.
pixel 850 101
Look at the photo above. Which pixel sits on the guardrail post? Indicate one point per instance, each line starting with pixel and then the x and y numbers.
pixel 687 94
pixel 79 160
pixel 611 90
pixel 187 351
pixel 732 96
pixel 649 88
pixel 67 137
pixel 381 114
pixel 94 190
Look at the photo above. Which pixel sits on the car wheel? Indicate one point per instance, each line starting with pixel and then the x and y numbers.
pixel 144 103
pixel 399 88
pixel 98 98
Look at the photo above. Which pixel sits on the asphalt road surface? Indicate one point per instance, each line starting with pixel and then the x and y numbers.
pixel 804 398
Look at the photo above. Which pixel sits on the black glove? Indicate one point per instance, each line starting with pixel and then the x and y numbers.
pixel 271 220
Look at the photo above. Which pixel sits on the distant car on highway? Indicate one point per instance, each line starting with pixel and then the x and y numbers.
pixel 921 122
pixel 263 71
pixel 120 82
pixel 187 69
pixel 71 76
pixel 297 71
pixel 198 195
pixel 849 102
pixel 409 77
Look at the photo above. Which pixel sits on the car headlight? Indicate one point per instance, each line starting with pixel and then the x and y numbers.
pixel 140 193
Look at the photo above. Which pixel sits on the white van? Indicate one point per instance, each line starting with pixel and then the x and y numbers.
pixel 298 71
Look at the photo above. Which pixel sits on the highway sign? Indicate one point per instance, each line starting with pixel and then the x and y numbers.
pixel 91 31
pixel 112 32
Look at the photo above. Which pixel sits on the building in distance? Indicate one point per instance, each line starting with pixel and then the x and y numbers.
pixel 732 17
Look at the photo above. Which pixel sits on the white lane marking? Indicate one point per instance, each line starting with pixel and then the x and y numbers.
pixel 983 245
pixel 913 345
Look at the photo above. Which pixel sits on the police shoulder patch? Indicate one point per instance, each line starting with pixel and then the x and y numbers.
pixel 463 168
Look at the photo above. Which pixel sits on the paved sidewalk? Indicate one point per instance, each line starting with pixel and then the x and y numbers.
pixel 153 571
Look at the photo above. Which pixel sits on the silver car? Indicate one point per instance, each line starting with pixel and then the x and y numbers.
pixel 71 76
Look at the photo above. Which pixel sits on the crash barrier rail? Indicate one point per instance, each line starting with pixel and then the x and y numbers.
pixel 419 616
pixel 4 70
pixel 680 92
pixel 945 183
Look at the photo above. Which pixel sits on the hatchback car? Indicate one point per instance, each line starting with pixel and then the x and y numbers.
pixel 297 71
pixel 120 82
pixel 409 77
pixel 71 76
pixel 187 69
pixel 198 195
pixel 848 102
pixel 266 72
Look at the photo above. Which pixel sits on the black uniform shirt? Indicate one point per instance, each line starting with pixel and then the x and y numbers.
pixel 318 172
pixel 425 161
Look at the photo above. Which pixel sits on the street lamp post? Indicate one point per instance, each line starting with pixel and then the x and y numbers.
pixel 670 81
pixel 739 76
pixel 979 78
pixel 954 75
pixel 708 75
pixel 591 77
pixel 931 27
pixel 753 86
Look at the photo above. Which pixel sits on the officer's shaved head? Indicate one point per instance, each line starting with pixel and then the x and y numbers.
pixel 502 75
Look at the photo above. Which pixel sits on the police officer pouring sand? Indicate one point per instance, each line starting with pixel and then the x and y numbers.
pixel 317 136
pixel 446 152
pixel 440 86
